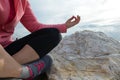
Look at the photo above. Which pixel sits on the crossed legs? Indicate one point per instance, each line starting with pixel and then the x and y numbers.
pixel 26 50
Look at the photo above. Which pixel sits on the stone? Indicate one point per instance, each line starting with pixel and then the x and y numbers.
pixel 86 55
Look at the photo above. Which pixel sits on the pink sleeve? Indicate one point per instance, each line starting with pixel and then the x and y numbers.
pixel 32 24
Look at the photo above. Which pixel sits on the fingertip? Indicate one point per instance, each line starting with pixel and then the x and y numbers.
pixel 72 17
pixel 78 16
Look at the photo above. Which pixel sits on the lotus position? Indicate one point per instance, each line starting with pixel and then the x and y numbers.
pixel 27 57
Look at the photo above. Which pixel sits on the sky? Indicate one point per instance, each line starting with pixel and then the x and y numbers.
pixel 96 15
pixel 54 11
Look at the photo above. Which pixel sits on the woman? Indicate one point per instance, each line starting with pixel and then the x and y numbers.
pixel 31 48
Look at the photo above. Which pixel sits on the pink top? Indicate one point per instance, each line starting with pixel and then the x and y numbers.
pixel 24 14
pixel 12 11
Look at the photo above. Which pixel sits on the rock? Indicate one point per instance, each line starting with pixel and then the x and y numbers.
pixel 86 55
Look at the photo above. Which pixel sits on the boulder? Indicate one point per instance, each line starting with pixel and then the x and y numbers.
pixel 86 55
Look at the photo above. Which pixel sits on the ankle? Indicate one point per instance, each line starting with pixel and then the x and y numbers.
pixel 17 73
pixel 25 73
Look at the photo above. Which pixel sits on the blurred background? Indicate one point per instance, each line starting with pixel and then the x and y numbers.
pixel 96 15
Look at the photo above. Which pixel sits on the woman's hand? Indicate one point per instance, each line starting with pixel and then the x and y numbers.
pixel 72 21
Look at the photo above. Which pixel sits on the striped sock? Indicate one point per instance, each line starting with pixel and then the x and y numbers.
pixel 25 72
pixel 37 67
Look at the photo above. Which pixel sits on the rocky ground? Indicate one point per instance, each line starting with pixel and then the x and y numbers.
pixel 86 55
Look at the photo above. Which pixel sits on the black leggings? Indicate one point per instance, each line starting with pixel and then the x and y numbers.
pixel 42 41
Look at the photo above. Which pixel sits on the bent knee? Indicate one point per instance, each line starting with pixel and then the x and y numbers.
pixel 55 34
pixel 52 33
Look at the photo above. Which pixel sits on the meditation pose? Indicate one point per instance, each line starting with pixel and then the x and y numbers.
pixel 27 57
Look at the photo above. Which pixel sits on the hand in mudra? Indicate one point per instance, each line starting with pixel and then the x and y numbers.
pixel 72 21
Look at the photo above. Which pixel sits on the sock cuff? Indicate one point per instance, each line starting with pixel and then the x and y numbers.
pixel 30 71
pixel 26 73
